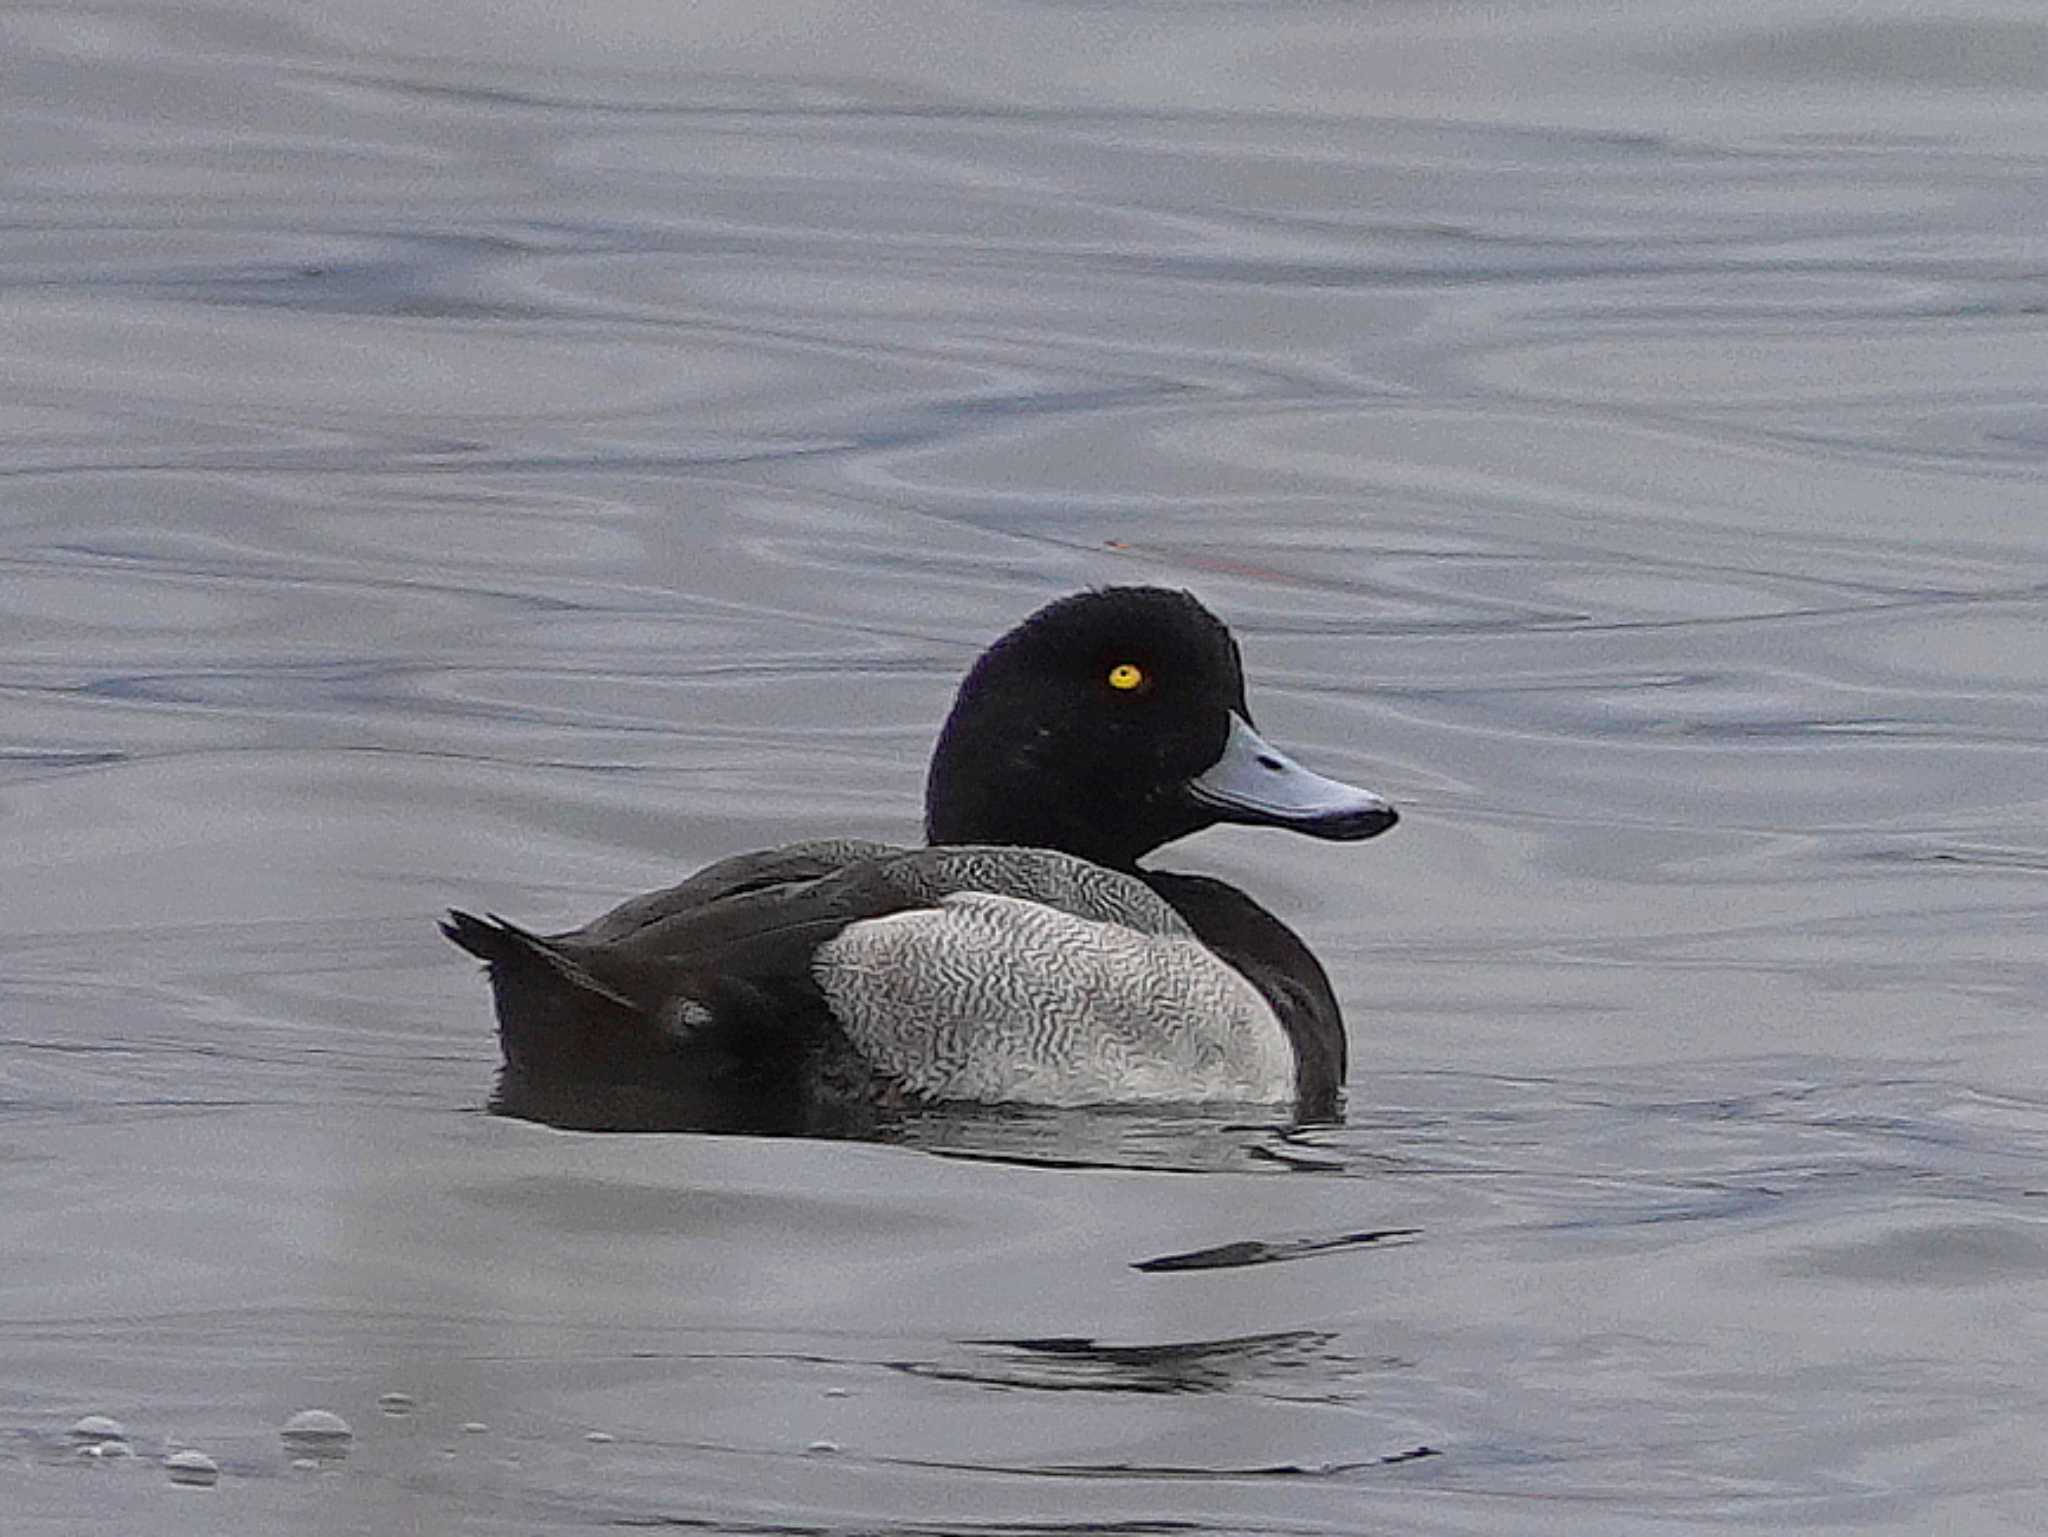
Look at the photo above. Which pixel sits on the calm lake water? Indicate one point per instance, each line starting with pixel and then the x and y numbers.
pixel 510 454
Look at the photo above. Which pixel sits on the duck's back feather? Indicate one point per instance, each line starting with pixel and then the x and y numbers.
pixel 734 876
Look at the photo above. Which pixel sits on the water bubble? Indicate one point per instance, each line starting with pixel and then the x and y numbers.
pixel 822 1448
pixel 189 1467
pixel 317 1425
pixel 397 1405
pixel 599 1437
pixel 317 1433
pixel 98 1427
pixel 839 1392
pixel 475 1428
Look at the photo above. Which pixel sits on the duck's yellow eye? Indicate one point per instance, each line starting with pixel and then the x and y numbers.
pixel 1126 675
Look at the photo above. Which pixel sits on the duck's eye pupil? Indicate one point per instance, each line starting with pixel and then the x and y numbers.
pixel 1126 675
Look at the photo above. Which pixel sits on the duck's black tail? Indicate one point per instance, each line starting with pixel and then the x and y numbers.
pixel 720 1055
pixel 522 958
pixel 554 1017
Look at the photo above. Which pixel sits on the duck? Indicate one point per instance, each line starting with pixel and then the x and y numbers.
pixel 1023 956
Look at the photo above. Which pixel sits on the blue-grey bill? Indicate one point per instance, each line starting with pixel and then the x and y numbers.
pixel 1256 782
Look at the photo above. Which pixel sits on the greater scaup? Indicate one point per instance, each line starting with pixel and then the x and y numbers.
pixel 1022 957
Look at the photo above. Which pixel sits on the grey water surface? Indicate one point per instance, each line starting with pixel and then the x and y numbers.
pixel 510 454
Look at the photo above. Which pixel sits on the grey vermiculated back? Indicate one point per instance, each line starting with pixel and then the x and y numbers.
pixel 998 998
pixel 922 876
pixel 1072 885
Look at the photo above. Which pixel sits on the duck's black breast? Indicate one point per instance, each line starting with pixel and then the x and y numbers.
pixel 1276 961
pixel 771 985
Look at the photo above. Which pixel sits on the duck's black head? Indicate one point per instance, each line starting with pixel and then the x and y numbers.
pixel 1111 722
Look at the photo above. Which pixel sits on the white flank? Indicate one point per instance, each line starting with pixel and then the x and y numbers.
pixel 1001 1000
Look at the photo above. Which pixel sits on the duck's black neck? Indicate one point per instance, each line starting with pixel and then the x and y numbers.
pixel 989 784
pixel 1089 821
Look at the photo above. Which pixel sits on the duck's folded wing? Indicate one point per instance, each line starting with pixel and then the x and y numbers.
pixel 759 919
pixel 738 875
pixel 746 913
